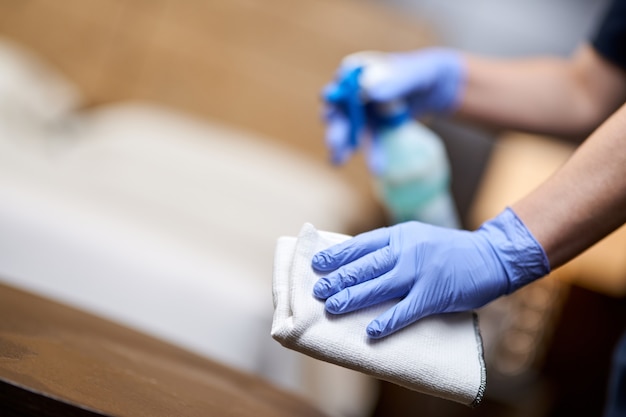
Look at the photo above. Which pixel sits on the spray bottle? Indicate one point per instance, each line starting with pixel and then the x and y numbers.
pixel 409 162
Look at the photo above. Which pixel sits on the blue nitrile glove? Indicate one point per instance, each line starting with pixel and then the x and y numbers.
pixel 429 269
pixel 429 80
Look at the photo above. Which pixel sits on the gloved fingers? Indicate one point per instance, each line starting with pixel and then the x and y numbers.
pixel 366 294
pixel 338 127
pixel 365 268
pixel 376 157
pixel 402 314
pixel 337 136
pixel 349 250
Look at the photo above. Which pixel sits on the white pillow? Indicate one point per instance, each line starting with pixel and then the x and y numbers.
pixel 31 90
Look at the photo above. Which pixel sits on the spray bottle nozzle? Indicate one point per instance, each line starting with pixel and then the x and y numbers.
pixel 361 113
pixel 346 95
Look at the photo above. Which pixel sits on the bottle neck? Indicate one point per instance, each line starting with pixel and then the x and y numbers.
pixel 387 115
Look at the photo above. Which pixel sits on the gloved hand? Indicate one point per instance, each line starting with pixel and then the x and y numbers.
pixel 430 269
pixel 429 81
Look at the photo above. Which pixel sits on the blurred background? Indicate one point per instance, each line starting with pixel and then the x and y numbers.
pixel 151 152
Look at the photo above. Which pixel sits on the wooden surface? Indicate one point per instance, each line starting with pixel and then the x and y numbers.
pixel 59 361
pixel 255 64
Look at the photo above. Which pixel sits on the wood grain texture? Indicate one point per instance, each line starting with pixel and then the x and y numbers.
pixel 60 361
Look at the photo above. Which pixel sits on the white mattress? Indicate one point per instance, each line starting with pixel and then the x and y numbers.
pixel 162 222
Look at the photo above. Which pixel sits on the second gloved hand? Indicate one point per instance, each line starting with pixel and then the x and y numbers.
pixel 429 80
pixel 428 269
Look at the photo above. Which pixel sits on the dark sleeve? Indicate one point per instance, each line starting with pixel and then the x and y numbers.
pixel 610 38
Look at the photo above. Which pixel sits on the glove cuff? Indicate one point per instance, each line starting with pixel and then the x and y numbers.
pixel 519 252
pixel 452 82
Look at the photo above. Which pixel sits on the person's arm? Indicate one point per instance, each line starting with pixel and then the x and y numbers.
pixel 583 201
pixel 432 270
pixel 542 94
pixel 549 95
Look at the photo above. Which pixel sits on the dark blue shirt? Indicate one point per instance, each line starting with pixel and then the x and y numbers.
pixel 610 38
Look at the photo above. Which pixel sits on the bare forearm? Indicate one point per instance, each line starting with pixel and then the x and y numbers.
pixel 583 201
pixel 545 94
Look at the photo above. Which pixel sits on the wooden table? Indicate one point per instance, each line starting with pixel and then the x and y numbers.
pixel 60 361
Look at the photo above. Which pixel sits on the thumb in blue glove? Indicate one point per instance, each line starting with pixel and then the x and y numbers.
pixel 429 269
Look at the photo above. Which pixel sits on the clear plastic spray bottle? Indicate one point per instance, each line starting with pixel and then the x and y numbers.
pixel 412 178
pixel 409 162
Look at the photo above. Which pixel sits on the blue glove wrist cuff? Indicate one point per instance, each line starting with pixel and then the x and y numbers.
pixel 454 88
pixel 517 249
pixel 447 86
pixel 452 81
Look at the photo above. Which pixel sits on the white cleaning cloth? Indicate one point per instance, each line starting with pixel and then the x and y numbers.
pixel 440 355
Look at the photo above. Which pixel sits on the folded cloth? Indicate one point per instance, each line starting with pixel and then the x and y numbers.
pixel 440 355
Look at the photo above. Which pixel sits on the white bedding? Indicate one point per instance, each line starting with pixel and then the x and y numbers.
pixel 162 222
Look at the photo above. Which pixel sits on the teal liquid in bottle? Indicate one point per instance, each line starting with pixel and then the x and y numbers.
pixel 414 180
pixel 408 161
